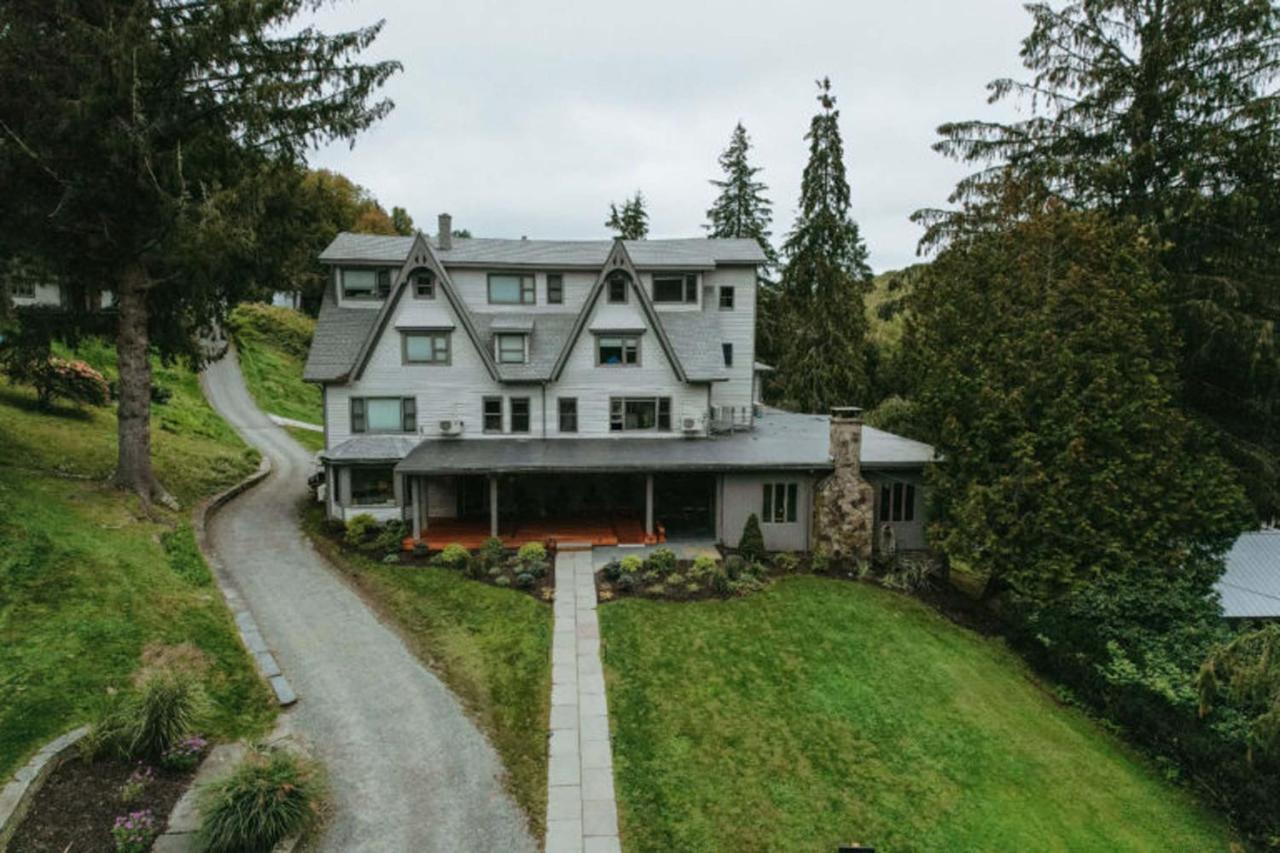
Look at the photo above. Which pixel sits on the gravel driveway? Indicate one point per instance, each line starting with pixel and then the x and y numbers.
pixel 408 770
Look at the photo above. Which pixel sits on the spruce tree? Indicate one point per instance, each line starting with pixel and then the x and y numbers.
pixel 631 221
pixel 816 325
pixel 136 138
pixel 741 210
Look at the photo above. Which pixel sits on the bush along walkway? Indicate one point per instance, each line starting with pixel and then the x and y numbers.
pixel 582 815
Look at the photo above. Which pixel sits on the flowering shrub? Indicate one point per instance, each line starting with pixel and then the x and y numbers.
pixel 55 378
pixel 135 831
pixel 138 780
pixel 186 753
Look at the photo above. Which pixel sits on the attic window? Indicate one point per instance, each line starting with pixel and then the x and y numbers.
pixel 424 285
pixel 510 348
pixel 365 283
pixel 676 288
pixel 618 287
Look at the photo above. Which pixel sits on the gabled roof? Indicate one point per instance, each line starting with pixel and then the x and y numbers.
pixel 1250 586
pixel 340 334
pixel 691 253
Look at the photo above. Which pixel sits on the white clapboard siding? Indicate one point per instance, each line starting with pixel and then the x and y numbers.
pixel 738 327
pixel 472 285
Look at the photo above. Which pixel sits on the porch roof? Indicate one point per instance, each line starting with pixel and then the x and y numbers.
pixel 780 440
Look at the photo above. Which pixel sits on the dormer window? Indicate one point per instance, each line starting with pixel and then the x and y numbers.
pixel 510 348
pixel 617 350
pixel 365 283
pixel 676 288
pixel 424 285
pixel 511 289
pixel 617 286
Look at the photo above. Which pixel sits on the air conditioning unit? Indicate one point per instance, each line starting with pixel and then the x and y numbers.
pixel 451 426
pixel 691 422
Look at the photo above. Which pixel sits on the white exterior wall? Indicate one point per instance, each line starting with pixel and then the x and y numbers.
pixel 472 286
pixel 44 294
pixel 737 327
pixel 740 495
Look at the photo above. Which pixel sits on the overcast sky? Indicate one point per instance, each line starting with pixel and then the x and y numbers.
pixel 528 118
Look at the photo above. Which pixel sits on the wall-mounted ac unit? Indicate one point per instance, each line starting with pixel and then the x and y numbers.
pixel 691 422
pixel 451 426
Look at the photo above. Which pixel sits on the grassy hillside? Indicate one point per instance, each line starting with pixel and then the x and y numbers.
pixel 273 343
pixel 820 712
pixel 87 580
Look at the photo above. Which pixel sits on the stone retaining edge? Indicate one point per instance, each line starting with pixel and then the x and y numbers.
pixel 246 626
pixel 17 795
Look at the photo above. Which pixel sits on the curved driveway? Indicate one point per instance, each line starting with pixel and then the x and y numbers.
pixel 408 770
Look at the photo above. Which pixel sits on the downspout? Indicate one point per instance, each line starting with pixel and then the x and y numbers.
pixel 544 409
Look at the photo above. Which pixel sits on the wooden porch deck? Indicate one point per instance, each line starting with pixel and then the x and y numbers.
pixel 471 533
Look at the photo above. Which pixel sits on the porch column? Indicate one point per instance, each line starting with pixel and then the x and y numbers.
pixel 493 504
pixel 648 504
pixel 415 494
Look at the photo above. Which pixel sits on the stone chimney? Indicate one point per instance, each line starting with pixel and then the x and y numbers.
pixel 844 502
pixel 846 438
pixel 444 241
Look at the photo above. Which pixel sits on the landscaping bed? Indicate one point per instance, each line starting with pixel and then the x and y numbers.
pixel 81 801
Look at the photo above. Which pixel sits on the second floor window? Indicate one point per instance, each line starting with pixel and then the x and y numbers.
pixel 726 298
pixel 383 414
pixel 426 347
pixel 510 349
pixel 493 414
pixel 568 414
pixel 365 283
pixel 639 413
pixel 555 288
pixel 511 289
pixel 617 350
pixel 681 287
pixel 519 414
pixel 779 503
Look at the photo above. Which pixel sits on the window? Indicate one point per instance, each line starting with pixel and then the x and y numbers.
pixel 425 347
pixel 639 413
pixel 568 414
pixel 726 298
pixel 373 486
pixel 424 285
pixel 555 288
pixel 519 414
pixel 359 284
pixel 779 503
pixel 618 287
pixel 510 349
pixel 614 350
pixel 383 414
pixel 511 289
pixel 493 414
pixel 22 287
pixel 898 502
pixel 676 288
pixel 727 350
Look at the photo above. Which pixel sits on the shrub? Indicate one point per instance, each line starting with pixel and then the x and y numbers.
pixel 909 575
pixel 626 581
pixel 503 580
pixel 734 566
pixel 632 565
pixel 658 588
pixel 612 571
pixel 819 562
pixel 525 580
pixel 361 530
pixel 492 551
pixel 786 563
pixel 57 378
pixel 537 568
pixel 420 549
pixel 662 561
pixel 704 568
pixel 531 551
pixel 271 796
pixel 135 832
pixel 454 556
pixel 168 706
pixel 185 754
pixel 751 545
pixel 390 537
pixel 720 581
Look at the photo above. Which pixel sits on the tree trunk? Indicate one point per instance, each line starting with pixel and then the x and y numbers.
pixel 133 467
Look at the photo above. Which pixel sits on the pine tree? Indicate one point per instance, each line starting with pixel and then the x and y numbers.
pixel 137 136
pixel 742 210
pixel 631 221
pixel 402 222
pixel 816 325
pixel 1166 111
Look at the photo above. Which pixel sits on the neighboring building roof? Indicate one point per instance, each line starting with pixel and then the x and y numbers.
pixel 780 440
pixel 691 253
pixel 339 335
pixel 1250 586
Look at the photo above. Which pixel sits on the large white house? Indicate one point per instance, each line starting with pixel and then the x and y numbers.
pixel 574 389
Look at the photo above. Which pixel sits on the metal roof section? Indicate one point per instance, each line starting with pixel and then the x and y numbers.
pixel 1250 586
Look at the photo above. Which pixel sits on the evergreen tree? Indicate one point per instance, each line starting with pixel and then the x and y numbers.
pixel 1167 111
pixel 1045 361
pixel 137 138
pixel 742 210
pixel 402 222
pixel 631 221
pixel 815 324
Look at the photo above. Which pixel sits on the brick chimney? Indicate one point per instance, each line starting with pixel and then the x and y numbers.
pixel 844 501
pixel 445 238
pixel 846 438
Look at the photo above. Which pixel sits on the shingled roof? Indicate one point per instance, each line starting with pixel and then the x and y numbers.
pixel 340 333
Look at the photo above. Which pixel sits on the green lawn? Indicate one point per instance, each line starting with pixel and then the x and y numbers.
pixel 491 646
pixel 87 580
pixel 272 343
pixel 821 712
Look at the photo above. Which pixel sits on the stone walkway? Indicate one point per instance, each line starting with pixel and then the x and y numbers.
pixel 582 815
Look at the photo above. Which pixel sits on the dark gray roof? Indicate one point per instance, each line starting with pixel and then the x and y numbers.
pixel 694 252
pixel 779 440
pixel 1250 586
pixel 340 332
pixel 373 448
pixel 545 341
pixel 696 340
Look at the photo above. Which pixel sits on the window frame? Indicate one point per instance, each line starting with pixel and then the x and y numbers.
pixel 435 335
pixel 375 293
pixel 562 416
pixel 358 414
pixel 618 414
pixel 622 338
pixel 498 339
pixel 525 425
pixel 485 415
pixel 555 296
pixel 779 504
pixel 528 287
pixel 897 502
pixel 420 277
pixel 726 351
pixel 730 291
pixel 22 287
pixel 688 288
pixel 365 469
pixel 617 278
